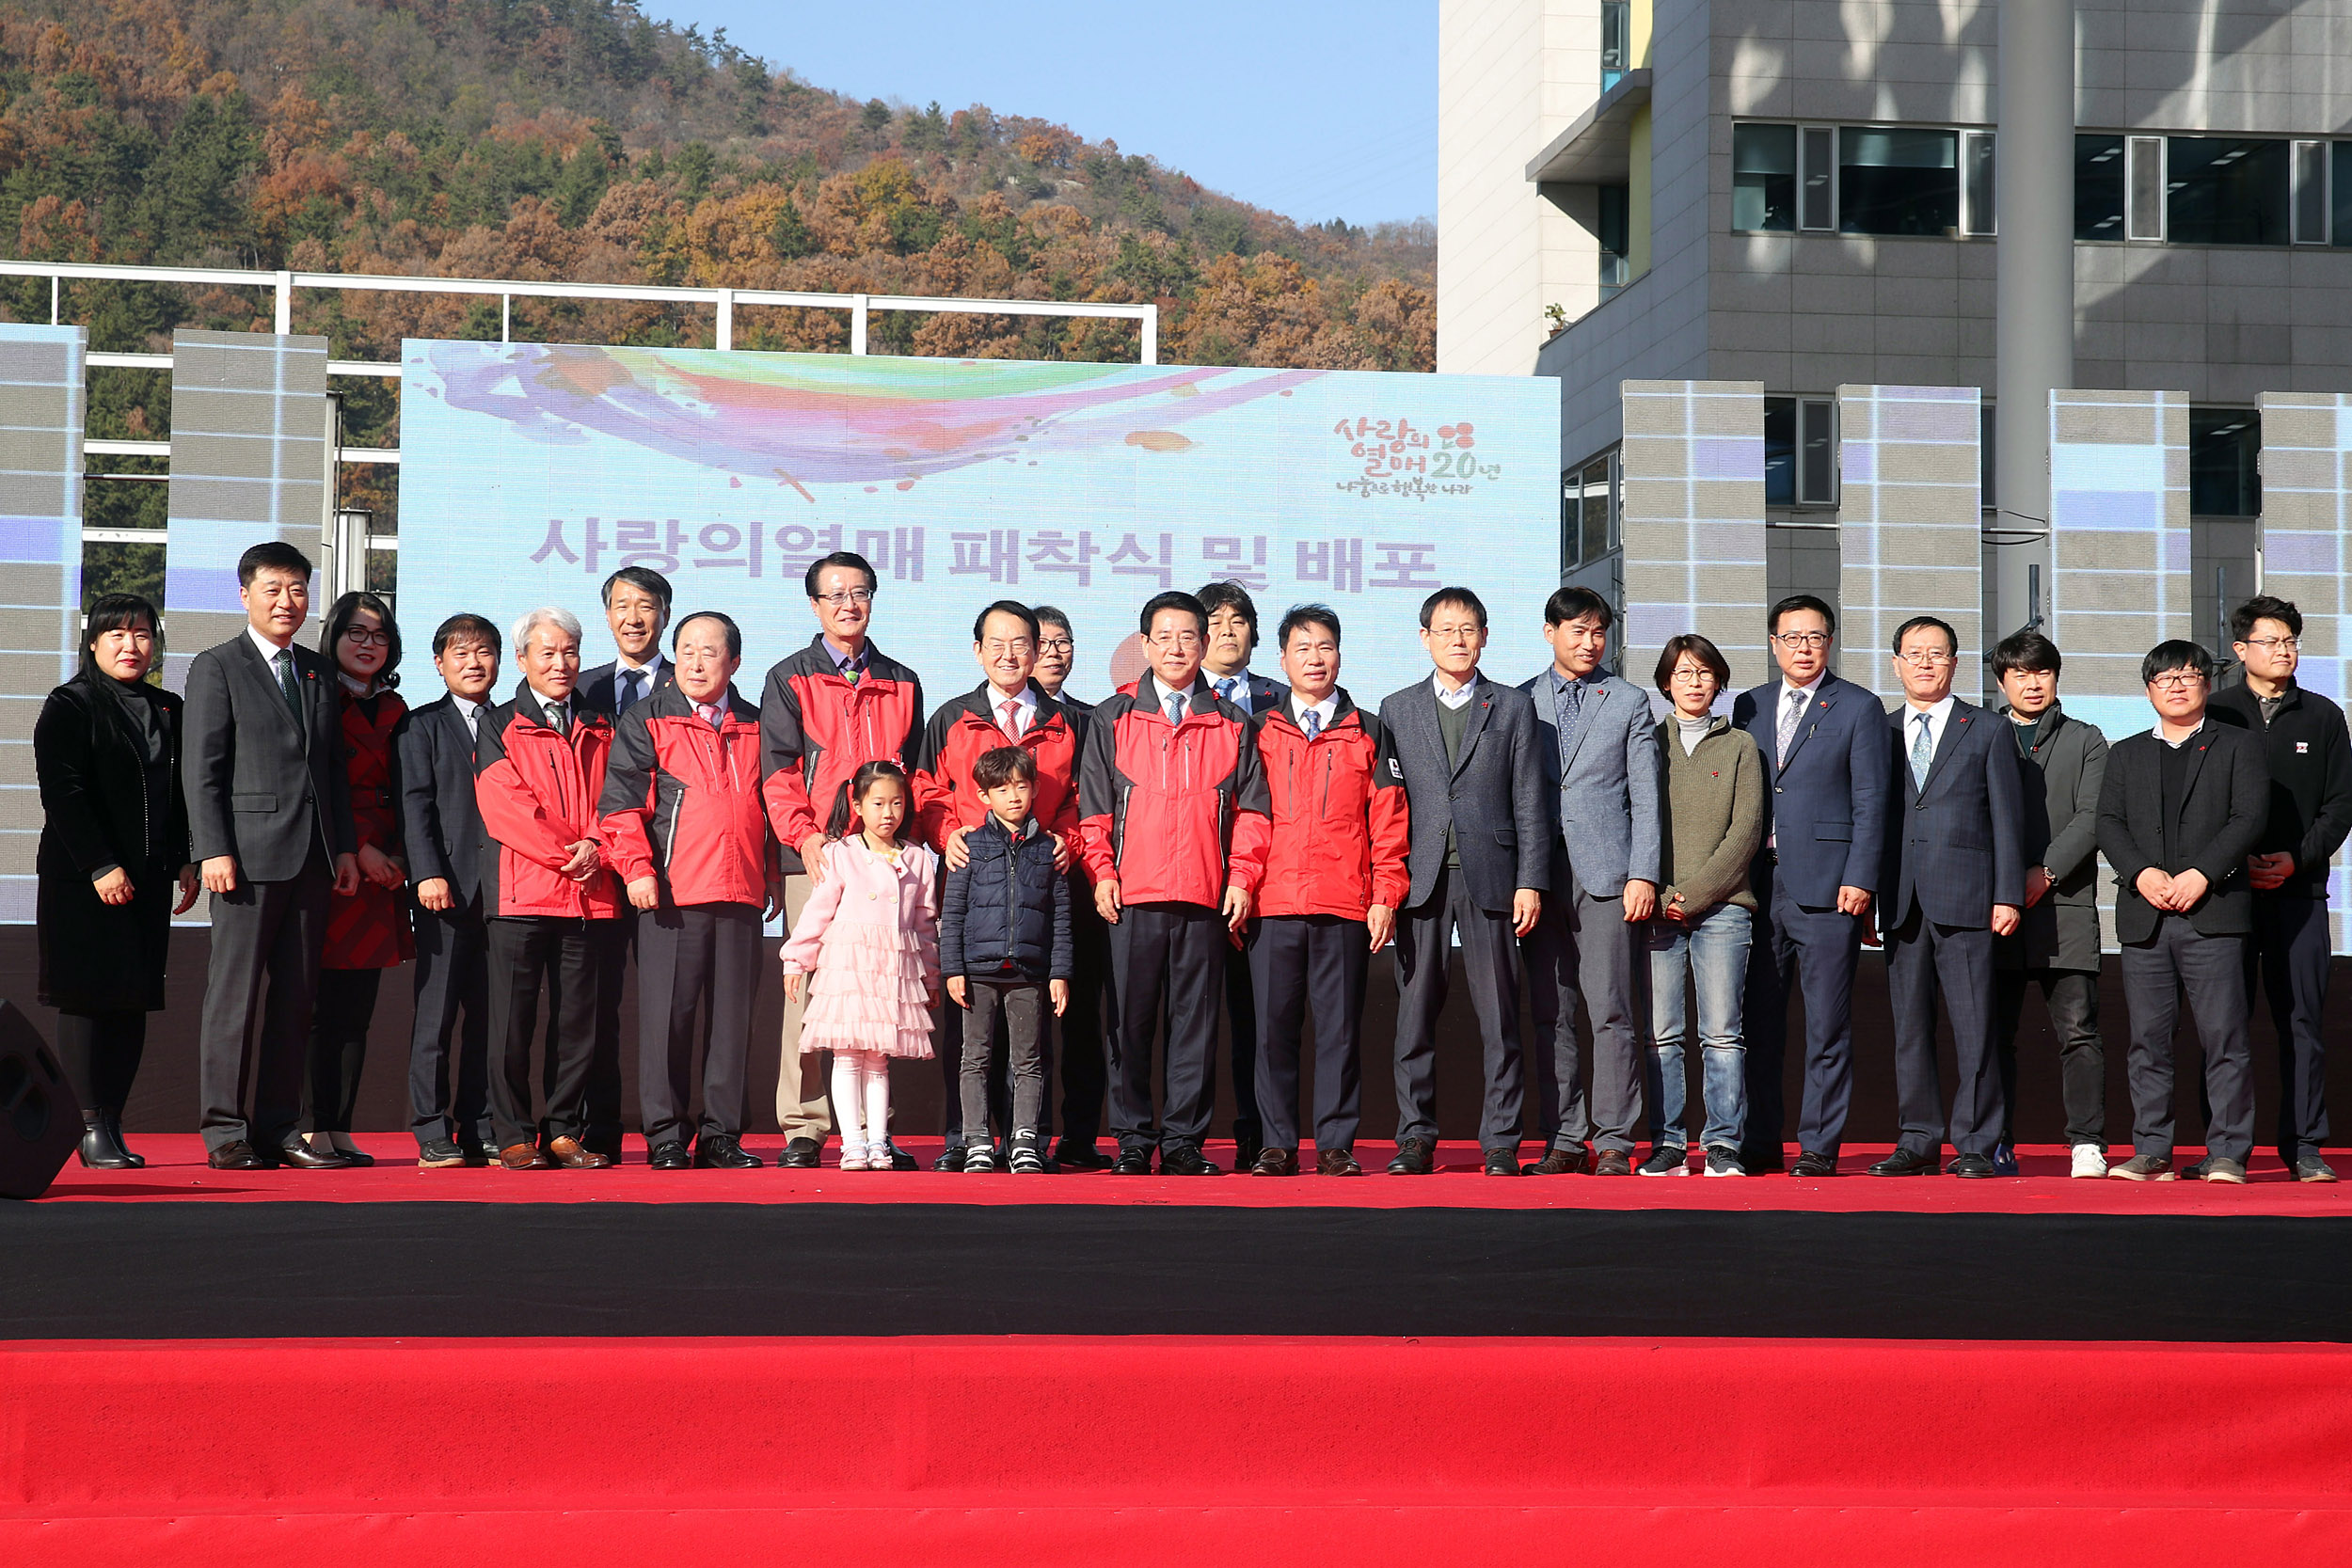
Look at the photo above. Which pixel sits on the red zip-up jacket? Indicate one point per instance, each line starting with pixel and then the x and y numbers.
pixel 1341 827
pixel 538 791
pixel 1177 813
pixel 682 800
pixel 946 796
pixel 816 730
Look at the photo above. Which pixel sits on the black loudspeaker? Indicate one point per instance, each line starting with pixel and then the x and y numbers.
pixel 41 1116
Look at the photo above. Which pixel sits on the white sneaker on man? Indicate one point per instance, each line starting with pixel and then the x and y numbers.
pixel 2089 1160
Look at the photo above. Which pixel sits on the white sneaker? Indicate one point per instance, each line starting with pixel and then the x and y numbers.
pixel 2089 1160
pixel 853 1154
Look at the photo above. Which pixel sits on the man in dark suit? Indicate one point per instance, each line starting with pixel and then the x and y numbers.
pixel 269 818
pixel 1224 663
pixel 1481 860
pixel 441 828
pixel 2061 762
pixel 1826 763
pixel 2181 809
pixel 637 612
pixel 1955 878
pixel 2309 756
pixel 1090 1024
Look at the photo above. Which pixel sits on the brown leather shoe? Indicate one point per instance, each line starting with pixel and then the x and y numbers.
pixel 1275 1162
pixel 522 1157
pixel 572 1155
pixel 1571 1160
pixel 1613 1162
pixel 1337 1162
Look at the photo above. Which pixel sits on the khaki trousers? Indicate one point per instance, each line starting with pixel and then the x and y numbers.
pixel 799 1118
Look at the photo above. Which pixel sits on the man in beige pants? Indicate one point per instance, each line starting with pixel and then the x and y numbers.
pixel 826 711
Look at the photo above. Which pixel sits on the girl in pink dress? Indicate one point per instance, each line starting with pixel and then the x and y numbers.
pixel 870 933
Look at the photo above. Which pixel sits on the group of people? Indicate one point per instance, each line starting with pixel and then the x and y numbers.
pixel 1020 876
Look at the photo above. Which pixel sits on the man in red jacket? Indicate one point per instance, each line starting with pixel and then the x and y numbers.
pixel 538 772
pixel 827 710
pixel 1334 877
pixel 687 831
pixel 1004 709
pixel 1172 813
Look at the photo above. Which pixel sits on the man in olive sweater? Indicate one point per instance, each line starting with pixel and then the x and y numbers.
pixel 2304 741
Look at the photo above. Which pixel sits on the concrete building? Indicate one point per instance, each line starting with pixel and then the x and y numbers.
pixel 1801 193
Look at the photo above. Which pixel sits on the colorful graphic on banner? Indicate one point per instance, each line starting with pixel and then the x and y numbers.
pixel 530 471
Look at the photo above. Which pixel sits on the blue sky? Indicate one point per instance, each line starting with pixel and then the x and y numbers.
pixel 1312 109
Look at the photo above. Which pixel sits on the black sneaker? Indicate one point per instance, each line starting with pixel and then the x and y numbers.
pixel 1667 1160
pixel 981 1160
pixel 2311 1167
pixel 1025 1159
pixel 1724 1161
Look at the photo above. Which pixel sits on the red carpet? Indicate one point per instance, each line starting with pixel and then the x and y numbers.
pixel 1143 1451
pixel 176 1171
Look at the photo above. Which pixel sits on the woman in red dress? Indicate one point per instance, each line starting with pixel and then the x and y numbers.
pixel 367 932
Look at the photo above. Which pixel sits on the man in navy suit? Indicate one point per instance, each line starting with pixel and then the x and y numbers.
pixel 1955 878
pixel 1225 664
pixel 1826 760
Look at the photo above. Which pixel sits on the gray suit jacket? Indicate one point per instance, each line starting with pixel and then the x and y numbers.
pixel 2061 782
pixel 1493 796
pixel 1605 808
pixel 441 826
pixel 258 787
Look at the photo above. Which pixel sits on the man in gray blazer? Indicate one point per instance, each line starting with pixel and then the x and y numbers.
pixel 1955 878
pixel 269 818
pixel 1480 860
pixel 1598 753
pixel 2061 761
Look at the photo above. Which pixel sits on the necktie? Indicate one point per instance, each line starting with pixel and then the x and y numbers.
pixel 633 687
pixel 853 670
pixel 1176 707
pixel 286 684
pixel 1224 687
pixel 709 713
pixel 1010 723
pixel 1568 708
pixel 1790 714
pixel 560 718
pixel 1314 720
pixel 1922 753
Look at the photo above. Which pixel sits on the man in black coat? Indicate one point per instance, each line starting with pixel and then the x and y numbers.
pixel 2303 739
pixel 441 828
pixel 2181 809
pixel 269 820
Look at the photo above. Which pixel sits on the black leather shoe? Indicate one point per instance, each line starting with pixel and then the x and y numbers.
pixel 669 1154
pixel 1904 1163
pixel 952 1159
pixel 1763 1162
pixel 1075 1156
pixel 302 1156
pixel 1414 1157
pixel 98 1151
pixel 236 1156
pixel 1503 1162
pixel 1132 1161
pixel 440 1154
pixel 1560 1161
pixel 1275 1162
pixel 799 1154
pixel 721 1151
pixel 1337 1162
pixel 1970 1165
pixel 1813 1163
pixel 356 1158
pixel 899 1158
pixel 1246 1148
pixel 1184 1160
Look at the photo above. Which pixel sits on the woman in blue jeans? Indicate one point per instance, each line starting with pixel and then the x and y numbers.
pixel 1714 821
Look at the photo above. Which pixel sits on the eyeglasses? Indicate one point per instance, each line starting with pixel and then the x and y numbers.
pixel 1692 674
pixel 2178 680
pixel 1061 645
pixel 1175 640
pixel 847 597
pixel 1928 658
pixel 1809 642
pixel 996 645
pixel 2276 644
pixel 380 638
pixel 1455 634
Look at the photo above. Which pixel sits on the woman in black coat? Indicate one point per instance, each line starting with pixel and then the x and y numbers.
pixel 113 842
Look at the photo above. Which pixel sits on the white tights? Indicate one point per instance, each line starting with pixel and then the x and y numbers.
pixel 861 1082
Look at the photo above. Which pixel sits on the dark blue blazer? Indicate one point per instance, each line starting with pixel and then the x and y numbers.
pixel 441 827
pixel 1958 846
pixel 1828 804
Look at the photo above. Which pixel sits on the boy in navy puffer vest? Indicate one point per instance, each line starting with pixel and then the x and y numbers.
pixel 1004 944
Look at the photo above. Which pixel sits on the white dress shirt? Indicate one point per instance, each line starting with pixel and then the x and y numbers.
pixel 1454 698
pixel 471 711
pixel 1324 711
pixel 1024 712
pixel 1937 717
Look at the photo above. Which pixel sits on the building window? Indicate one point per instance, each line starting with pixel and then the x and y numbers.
pixel 2223 446
pixel 1816 178
pixel 1614 215
pixel 1617 41
pixel 2310 194
pixel 1799 452
pixel 1763 177
pixel 2098 188
pixel 1588 512
pixel 2226 190
pixel 1898 180
pixel 2340 190
pixel 1976 185
pixel 2143 173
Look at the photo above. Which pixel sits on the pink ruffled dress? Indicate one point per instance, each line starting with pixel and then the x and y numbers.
pixel 871 935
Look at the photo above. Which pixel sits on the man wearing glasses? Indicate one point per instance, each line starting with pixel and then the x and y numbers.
pixel 1826 766
pixel 827 711
pixel 1955 878
pixel 2303 739
pixel 2181 809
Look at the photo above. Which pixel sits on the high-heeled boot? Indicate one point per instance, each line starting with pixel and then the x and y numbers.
pixel 114 1130
pixel 98 1150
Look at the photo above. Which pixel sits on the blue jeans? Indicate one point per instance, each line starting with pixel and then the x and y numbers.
pixel 1714 954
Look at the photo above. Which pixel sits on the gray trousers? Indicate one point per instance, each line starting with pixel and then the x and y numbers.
pixel 1924 958
pixel 1490 956
pixel 2211 970
pixel 268 933
pixel 1015 1012
pixel 1584 948
pixel 2072 996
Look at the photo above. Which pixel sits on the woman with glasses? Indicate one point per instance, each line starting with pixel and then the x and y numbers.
pixel 113 849
pixel 367 931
